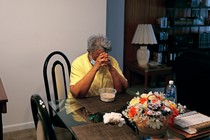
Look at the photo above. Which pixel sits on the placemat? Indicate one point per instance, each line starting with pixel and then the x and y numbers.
pixel 94 104
pixel 101 131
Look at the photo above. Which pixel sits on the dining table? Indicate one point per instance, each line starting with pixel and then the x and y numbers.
pixel 84 119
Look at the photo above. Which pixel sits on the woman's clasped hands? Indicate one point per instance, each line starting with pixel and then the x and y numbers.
pixel 103 59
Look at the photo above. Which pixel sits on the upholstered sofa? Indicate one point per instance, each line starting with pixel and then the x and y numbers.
pixel 192 70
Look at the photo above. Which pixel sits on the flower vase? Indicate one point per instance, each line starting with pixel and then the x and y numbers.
pixel 143 55
pixel 145 130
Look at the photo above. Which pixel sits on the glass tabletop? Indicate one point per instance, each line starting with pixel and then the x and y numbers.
pixel 76 114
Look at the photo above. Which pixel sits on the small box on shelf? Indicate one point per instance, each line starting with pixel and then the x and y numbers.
pixel 158 57
pixel 205 3
pixel 195 3
pixel 204 40
pixel 163 35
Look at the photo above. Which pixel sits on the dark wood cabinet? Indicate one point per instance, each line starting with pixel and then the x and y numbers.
pixel 192 79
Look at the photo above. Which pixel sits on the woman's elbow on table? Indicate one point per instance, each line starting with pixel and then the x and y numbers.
pixel 76 93
pixel 122 88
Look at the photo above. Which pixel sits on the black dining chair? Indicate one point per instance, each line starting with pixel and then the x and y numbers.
pixel 42 121
pixel 56 73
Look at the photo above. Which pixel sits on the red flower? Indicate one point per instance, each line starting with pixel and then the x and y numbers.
pixel 132 112
pixel 142 100
pixel 175 113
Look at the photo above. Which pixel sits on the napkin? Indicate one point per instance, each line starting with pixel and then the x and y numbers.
pixel 113 117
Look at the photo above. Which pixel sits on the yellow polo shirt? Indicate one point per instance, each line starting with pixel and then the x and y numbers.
pixel 81 66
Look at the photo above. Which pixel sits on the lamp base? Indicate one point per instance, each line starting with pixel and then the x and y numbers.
pixel 143 55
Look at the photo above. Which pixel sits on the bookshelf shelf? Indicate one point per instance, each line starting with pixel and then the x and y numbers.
pixel 188 27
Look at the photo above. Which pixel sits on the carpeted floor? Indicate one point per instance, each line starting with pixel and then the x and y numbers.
pixel 30 134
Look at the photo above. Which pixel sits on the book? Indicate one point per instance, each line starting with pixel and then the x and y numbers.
pixel 192 122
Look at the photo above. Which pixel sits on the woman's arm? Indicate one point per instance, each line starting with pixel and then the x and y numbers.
pixel 120 83
pixel 80 89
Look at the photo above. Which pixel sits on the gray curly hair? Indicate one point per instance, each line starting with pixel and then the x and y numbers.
pixel 99 42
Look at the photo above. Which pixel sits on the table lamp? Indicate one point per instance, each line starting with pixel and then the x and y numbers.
pixel 143 36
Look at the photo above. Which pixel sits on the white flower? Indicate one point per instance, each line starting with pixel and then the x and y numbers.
pixel 137 93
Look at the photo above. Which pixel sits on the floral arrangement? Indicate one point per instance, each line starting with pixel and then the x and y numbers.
pixel 152 109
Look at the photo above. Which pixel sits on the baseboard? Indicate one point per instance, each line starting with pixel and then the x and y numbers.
pixel 17 127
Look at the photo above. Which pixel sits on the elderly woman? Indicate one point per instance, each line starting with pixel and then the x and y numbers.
pixel 96 69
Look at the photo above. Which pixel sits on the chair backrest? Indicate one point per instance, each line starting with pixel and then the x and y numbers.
pixel 42 121
pixel 54 60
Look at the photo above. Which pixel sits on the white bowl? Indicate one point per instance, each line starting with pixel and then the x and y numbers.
pixel 107 94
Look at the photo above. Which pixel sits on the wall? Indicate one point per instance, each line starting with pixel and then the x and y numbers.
pixel 29 31
pixel 115 28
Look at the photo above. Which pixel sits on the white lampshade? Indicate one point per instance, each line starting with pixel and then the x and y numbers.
pixel 143 36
